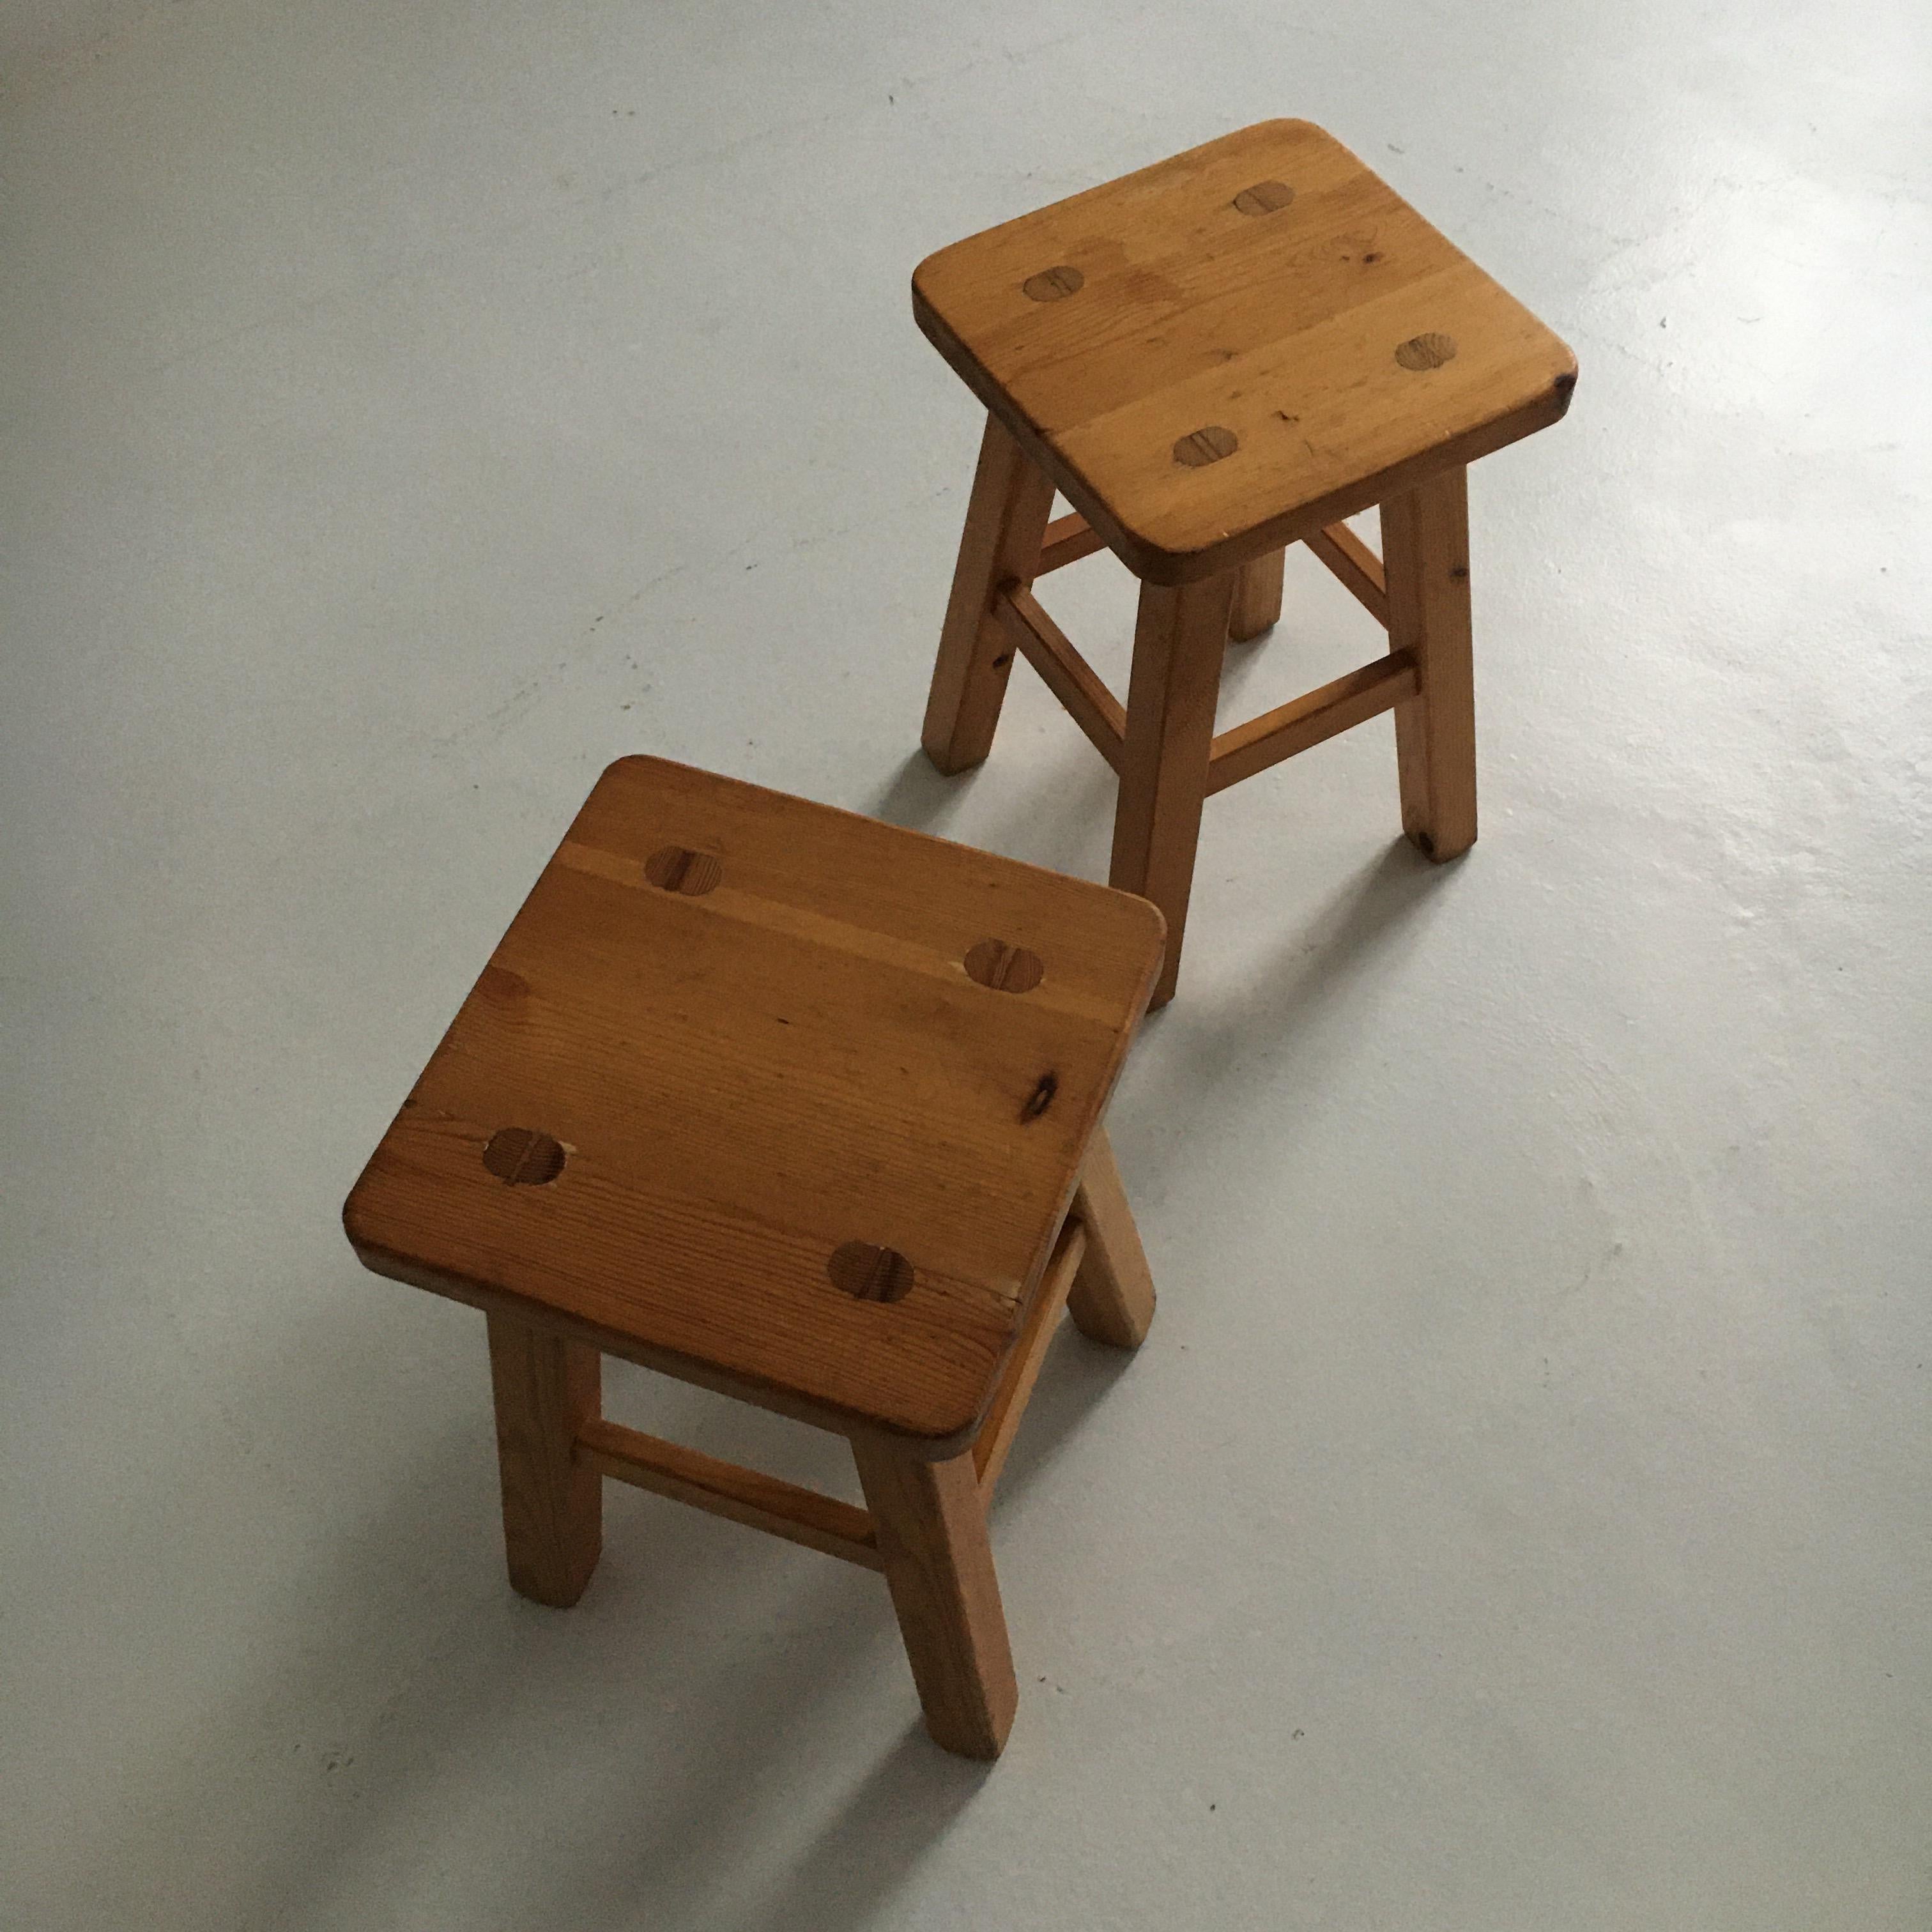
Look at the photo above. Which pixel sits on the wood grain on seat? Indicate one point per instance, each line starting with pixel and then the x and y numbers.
pixel 729 1100
pixel 1219 354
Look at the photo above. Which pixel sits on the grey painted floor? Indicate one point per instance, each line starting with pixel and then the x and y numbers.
pixel 1519 1515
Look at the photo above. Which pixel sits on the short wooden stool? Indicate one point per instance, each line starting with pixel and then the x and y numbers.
pixel 802 1108
pixel 1211 359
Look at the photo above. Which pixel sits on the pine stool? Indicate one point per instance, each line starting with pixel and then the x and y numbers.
pixel 1211 359
pixel 798 1107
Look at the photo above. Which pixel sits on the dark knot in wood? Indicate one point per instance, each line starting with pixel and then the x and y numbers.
pixel 1041 1098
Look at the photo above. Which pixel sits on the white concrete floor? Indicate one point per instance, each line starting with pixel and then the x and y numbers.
pixel 1519 1517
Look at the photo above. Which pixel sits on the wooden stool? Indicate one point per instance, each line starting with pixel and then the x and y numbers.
pixel 798 1107
pixel 1211 359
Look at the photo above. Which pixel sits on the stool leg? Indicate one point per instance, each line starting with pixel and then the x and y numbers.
pixel 546 1389
pixel 1171 690
pixel 1258 597
pixel 1426 553
pixel 1112 1299
pixel 1005 521
pixel 931 1530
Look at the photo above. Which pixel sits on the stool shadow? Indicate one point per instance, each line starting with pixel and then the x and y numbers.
pixel 913 1796
pixel 691 1843
pixel 918 797
pixel 671 1856
pixel 1210 1051
pixel 476 1666
pixel 442 1709
pixel 692 1853
pixel 1078 1376
pixel 904 1808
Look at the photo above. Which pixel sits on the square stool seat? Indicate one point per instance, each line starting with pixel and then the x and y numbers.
pixel 1218 354
pixel 769 1095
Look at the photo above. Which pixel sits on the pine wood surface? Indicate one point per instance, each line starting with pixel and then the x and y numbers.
pixel 1214 356
pixel 774 1057
pixel 930 1521
pixel 1425 537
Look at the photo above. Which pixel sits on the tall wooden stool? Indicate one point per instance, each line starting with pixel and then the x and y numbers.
pixel 801 1107
pixel 1211 359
